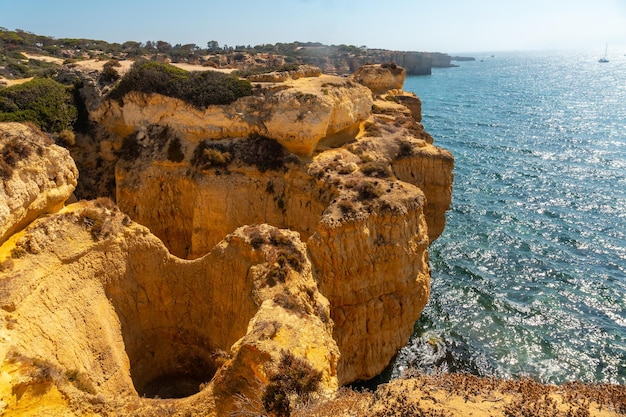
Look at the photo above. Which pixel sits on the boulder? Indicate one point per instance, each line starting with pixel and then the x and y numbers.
pixel 380 78
pixel 37 176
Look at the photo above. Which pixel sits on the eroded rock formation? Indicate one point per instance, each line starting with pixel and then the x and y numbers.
pixel 37 176
pixel 105 309
pixel 298 220
pixel 297 114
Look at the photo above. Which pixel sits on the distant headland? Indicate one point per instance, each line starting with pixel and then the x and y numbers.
pixel 331 59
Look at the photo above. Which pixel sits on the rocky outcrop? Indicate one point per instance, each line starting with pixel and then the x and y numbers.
pixel 380 78
pixel 281 76
pixel 393 134
pixel 354 191
pixel 37 177
pixel 416 63
pixel 298 114
pixel 346 193
pixel 345 216
pixel 142 323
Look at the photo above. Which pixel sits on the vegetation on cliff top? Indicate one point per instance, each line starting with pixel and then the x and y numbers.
pixel 199 88
pixel 42 101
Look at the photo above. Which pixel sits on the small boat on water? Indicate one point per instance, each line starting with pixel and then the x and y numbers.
pixel 604 59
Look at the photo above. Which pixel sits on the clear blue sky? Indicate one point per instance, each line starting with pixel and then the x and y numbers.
pixel 434 25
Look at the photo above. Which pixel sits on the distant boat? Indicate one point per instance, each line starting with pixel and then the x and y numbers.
pixel 604 58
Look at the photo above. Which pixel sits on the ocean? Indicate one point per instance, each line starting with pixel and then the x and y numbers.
pixel 529 276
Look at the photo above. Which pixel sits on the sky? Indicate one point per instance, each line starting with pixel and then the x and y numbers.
pixel 450 26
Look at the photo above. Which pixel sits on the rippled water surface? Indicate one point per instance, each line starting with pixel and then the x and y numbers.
pixel 529 277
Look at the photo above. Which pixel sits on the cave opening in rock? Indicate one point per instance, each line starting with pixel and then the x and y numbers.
pixel 172 386
pixel 171 369
pixel 175 327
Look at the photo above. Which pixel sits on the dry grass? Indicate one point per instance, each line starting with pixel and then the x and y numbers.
pixel 461 395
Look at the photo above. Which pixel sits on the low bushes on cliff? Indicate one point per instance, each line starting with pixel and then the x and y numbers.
pixel 264 153
pixel 264 70
pixel 199 89
pixel 14 150
pixel 293 376
pixel 42 101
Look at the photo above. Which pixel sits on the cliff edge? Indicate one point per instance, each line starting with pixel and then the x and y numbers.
pixel 283 234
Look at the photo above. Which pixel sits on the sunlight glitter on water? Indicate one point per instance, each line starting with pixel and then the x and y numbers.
pixel 529 277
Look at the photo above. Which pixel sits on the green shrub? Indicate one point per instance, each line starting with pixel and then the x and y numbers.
pixel 210 155
pixel 405 149
pixel 6 172
pixel 109 73
pixel 256 240
pixel 265 70
pixel 199 89
pixel 131 149
pixel 18 252
pixel 264 153
pixel 347 207
pixel 45 102
pixel 391 66
pixel 14 150
pixel 67 137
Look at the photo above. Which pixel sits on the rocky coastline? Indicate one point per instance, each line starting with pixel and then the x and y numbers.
pixel 294 220
pixel 238 259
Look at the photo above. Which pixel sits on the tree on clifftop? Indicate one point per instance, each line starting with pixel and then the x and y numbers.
pixel 213 46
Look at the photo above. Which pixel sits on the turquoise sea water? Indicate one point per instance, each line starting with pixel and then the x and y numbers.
pixel 529 277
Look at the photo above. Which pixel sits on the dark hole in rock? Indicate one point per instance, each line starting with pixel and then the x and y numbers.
pixel 172 386
pixel 172 369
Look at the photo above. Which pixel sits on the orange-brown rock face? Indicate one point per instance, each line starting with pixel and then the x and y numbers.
pixel 103 308
pixel 297 113
pixel 380 78
pixel 357 205
pixel 293 222
pixel 37 175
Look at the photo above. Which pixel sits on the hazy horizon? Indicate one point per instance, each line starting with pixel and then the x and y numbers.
pixel 451 26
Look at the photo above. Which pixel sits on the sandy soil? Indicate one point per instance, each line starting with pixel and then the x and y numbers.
pixel 7 83
pixel 44 58
pixel 94 64
pixel 98 64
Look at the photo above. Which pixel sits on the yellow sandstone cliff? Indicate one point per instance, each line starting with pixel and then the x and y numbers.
pixel 295 221
pixel 366 231
pixel 102 309
pixel 37 176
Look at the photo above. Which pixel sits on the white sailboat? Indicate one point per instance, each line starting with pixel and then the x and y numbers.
pixel 604 59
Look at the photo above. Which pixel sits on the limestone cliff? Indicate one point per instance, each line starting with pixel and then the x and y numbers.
pixel 297 113
pixel 144 323
pixel 37 177
pixel 295 220
pixel 415 63
pixel 367 232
